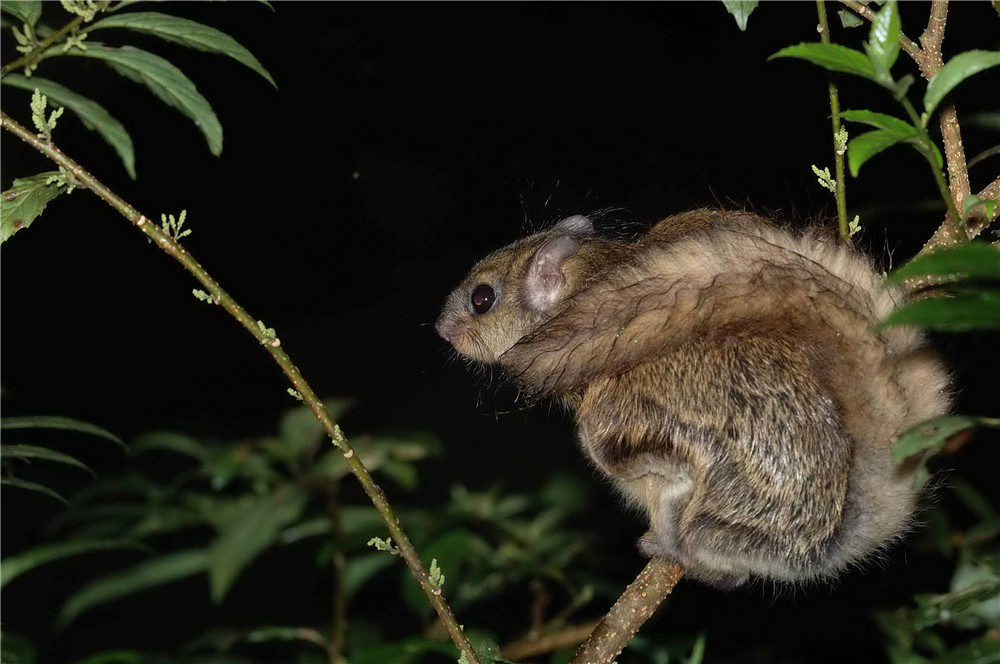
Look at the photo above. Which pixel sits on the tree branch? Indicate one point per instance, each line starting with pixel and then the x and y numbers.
pixel 636 605
pixel 272 344
pixel 862 10
pixel 539 645
pixel 34 56
pixel 930 60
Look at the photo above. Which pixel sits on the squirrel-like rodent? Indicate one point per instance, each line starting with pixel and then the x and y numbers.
pixel 725 374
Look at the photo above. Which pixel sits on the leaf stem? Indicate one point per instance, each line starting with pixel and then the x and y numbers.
pixel 35 55
pixel 838 155
pixel 927 149
pixel 273 346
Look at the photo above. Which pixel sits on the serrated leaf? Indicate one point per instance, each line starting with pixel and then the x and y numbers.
pixel 240 541
pixel 187 33
pixel 18 483
pixel 147 574
pixel 956 70
pixel 363 568
pixel 22 451
pixel 862 148
pixel 25 11
pixel 967 311
pixel 24 202
pixel 14 566
pixel 849 19
pixel 969 260
pixel 741 10
pixel 930 436
pixel 91 114
pixel 972 201
pixel 883 40
pixel 165 81
pixel 830 56
pixel 58 422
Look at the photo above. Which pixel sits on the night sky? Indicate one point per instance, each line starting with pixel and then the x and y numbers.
pixel 403 143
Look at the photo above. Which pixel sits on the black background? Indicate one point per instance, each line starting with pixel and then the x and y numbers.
pixel 404 142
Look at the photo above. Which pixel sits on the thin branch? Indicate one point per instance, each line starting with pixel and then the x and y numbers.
pixel 273 346
pixel 838 150
pixel 338 625
pixel 930 60
pixel 911 48
pixel 539 645
pixel 636 605
pixel 34 55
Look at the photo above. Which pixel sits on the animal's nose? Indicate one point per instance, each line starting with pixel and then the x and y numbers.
pixel 445 328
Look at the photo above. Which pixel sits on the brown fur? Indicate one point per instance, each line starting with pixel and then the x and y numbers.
pixel 725 375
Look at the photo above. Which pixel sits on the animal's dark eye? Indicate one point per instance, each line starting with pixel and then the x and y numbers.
pixel 483 297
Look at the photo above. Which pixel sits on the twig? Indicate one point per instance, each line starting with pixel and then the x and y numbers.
pixel 911 48
pixel 838 151
pixel 951 134
pixel 338 626
pixel 33 56
pixel 930 60
pixel 273 346
pixel 636 605
pixel 563 638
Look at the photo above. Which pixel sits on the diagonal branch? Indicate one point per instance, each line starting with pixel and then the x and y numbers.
pixel 636 605
pixel 862 10
pixel 272 344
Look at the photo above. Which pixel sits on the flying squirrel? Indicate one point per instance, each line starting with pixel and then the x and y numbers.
pixel 725 375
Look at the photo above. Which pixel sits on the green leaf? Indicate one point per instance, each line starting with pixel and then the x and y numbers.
pixel 58 422
pixel 862 148
pixel 165 80
pixel 24 202
pixel 984 650
pixel 363 568
pixel 849 19
pixel 299 427
pixel 890 123
pixel 450 550
pixel 930 436
pixel 18 483
pixel 956 70
pixel 933 609
pixel 990 121
pixel 91 114
pixel 969 260
pixel 741 10
pixel 972 201
pixel 187 33
pixel 21 451
pixel 25 11
pixel 147 574
pixel 830 56
pixel 15 649
pixel 985 154
pixel 249 534
pixel 967 311
pixel 883 41
pixel 173 442
pixel 16 565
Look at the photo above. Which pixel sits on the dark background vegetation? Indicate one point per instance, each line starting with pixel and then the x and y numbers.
pixel 405 142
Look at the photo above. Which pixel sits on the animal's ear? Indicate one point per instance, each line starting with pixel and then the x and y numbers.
pixel 544 281
pixel 575 225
